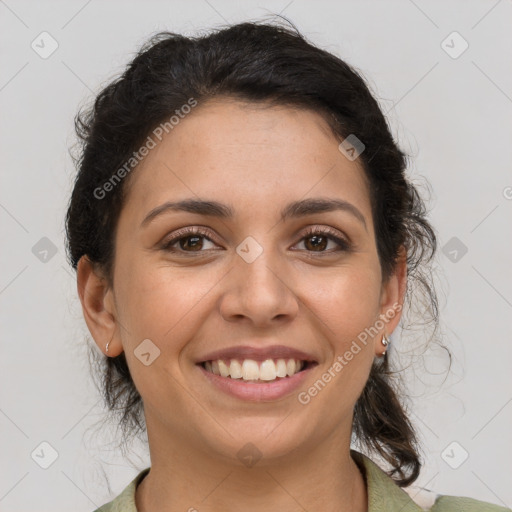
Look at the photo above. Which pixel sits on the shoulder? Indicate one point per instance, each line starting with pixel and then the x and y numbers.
pixel 431 501
pixel 125 502
pixel 384 494
pixel 461 504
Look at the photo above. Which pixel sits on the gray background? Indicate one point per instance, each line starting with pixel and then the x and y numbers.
pixel 453 115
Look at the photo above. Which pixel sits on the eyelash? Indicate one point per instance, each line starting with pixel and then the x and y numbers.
pixel 310 231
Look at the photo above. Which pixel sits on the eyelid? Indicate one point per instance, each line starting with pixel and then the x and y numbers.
pixel 326 230
pixel 186 232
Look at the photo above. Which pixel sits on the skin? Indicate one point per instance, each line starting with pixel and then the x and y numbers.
pixel 256 159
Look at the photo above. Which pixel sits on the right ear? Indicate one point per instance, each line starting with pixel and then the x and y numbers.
pixel 98 307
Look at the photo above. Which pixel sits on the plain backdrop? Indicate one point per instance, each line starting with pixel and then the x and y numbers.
pixel 450 108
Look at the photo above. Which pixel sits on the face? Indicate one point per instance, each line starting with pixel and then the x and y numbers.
pixel 252 285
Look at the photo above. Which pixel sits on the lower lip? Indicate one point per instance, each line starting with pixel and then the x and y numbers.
pixel 257 391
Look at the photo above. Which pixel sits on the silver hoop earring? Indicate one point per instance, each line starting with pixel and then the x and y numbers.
pixel 385 341
pixel 106 346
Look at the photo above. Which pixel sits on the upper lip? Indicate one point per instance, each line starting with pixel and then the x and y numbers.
pixel 257 353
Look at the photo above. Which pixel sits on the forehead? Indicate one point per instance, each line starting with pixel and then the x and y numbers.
pixel 252 152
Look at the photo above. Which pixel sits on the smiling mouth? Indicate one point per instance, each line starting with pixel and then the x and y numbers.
pixel 249 370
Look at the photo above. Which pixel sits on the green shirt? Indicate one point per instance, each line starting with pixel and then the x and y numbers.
pixel 384 495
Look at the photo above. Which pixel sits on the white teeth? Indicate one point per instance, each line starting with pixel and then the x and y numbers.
pixel 281 368
pixel 249 369
pixel 290 366
pixel 235 369
pixel 268 370
pixel 224 370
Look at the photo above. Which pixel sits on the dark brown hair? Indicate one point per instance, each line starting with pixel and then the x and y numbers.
pixel 253 62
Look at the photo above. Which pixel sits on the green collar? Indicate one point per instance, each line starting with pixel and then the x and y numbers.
pixel 383 493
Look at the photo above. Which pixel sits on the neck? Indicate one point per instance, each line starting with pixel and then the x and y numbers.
pixel 184 478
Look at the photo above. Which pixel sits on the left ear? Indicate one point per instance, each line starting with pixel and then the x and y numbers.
pixel 392 298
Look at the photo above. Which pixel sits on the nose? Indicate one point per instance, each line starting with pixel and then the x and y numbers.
pixel 260 293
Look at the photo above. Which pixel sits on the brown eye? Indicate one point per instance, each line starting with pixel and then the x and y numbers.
pixel 317 240
pixel 191 242
pixel 188 240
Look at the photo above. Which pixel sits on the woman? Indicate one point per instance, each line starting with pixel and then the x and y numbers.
pixel 244 238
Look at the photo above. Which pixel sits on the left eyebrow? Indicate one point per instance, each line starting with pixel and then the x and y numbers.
pixel 293 210
pixel 321 205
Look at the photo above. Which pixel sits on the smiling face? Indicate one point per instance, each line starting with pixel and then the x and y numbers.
pixel 259 274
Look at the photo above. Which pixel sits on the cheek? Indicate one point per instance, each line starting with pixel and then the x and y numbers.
pixel 160 302
pixel 346 299
pixel 347 306
pixel 165 306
